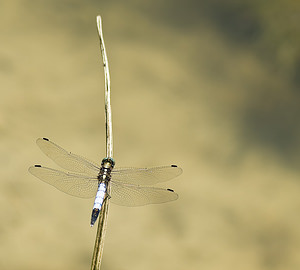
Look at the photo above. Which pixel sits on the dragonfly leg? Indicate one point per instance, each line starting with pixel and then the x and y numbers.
pixel 107 197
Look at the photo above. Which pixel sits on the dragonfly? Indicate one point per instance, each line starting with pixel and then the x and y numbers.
pixel 86 179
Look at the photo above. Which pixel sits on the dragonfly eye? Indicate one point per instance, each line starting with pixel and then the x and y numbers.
pixel 108 162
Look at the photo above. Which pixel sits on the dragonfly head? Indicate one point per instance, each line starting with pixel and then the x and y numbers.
pixel 108 162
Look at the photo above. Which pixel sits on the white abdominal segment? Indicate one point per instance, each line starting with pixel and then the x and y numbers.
pixel 100 196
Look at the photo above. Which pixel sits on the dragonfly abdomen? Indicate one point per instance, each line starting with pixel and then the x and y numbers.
pixel 98 202
pixel 100 196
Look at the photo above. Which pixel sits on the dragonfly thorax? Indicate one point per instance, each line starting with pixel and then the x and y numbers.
pixel 107 165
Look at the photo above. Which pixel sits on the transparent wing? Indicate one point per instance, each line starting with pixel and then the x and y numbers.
pixel 67 160
pixel 145 176
pixel 130 195
pixel 72 184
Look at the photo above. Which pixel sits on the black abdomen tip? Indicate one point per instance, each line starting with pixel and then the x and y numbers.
pixel 174 166
pixel 170 189
pixel 46 139
pixel 94 217
pixel 38 166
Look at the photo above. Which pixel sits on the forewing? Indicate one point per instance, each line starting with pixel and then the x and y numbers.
pixel 130 195
pixel 145 176
pixel 72 184
pixel 67 160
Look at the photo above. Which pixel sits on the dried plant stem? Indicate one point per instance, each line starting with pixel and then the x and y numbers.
pixel 99 242
pixel 108 121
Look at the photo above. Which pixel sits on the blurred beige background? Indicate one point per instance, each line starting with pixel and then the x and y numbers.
pixel 210 85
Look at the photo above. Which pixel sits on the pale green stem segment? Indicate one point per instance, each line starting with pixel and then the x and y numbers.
pixel 101 230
